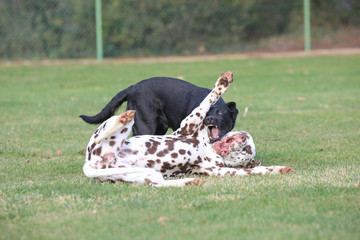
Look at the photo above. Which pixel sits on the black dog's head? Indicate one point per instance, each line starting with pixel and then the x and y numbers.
pixel 221 120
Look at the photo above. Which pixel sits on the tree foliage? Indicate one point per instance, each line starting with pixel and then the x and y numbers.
pixel 56 29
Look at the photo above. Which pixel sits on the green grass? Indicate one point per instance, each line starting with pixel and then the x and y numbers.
pixel 44 195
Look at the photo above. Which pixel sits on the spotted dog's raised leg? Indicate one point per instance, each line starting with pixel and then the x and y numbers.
pixel 194 120
pixel 111 127
pixel 101 152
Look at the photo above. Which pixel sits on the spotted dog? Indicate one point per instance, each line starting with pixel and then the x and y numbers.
pixel 150 158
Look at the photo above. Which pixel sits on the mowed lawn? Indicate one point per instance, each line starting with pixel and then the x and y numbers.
pixel 302 112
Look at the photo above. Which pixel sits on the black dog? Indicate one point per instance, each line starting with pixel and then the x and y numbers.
pixel 157 110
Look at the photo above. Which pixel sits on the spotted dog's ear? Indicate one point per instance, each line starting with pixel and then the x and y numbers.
pixel 233 111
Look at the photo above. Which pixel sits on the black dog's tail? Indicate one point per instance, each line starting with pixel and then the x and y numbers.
pixel 109 110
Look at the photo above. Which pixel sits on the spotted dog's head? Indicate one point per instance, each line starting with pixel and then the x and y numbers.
pixel 236 148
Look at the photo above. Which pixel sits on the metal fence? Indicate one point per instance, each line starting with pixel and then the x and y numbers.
pixel 33 29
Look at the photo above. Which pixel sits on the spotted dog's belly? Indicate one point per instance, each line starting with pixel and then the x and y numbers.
pixel 171 155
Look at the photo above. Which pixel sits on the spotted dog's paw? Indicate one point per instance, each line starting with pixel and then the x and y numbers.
pixel 195 182
pixel 225 79
pixel 127 117
pixel 282 169
pixel 286 170
pixel 112 125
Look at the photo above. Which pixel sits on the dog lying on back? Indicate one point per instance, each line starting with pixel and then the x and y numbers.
pixel 162 103
pixel 150 158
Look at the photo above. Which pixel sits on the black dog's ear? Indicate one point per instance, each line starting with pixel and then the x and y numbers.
pixel 233 110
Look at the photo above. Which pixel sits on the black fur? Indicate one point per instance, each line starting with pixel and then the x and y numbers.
pixel 162 103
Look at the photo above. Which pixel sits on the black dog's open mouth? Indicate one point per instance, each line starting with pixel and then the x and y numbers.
pixel 214 133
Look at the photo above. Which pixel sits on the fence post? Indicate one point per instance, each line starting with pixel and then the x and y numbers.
pixel 99 42
pixel 307 37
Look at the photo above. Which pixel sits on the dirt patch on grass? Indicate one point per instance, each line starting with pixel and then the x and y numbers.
pixel 192 58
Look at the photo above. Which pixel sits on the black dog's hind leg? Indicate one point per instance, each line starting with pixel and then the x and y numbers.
pixel 148 124
pixel 147 121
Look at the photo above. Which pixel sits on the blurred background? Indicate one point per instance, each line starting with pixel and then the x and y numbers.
pixel 52 29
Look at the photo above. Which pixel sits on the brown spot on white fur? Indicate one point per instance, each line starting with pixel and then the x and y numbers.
pixel 97 151
pixel 148 181
pixel 124 130
pixel 92 146
pixel 151 146
pixel 150 163
pixel 248 149
pixel 162 153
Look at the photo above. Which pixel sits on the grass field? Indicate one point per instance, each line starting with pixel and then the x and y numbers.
pixel 303 113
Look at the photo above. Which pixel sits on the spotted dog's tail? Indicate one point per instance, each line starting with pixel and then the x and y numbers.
pixel 106 172
pixel 109 110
